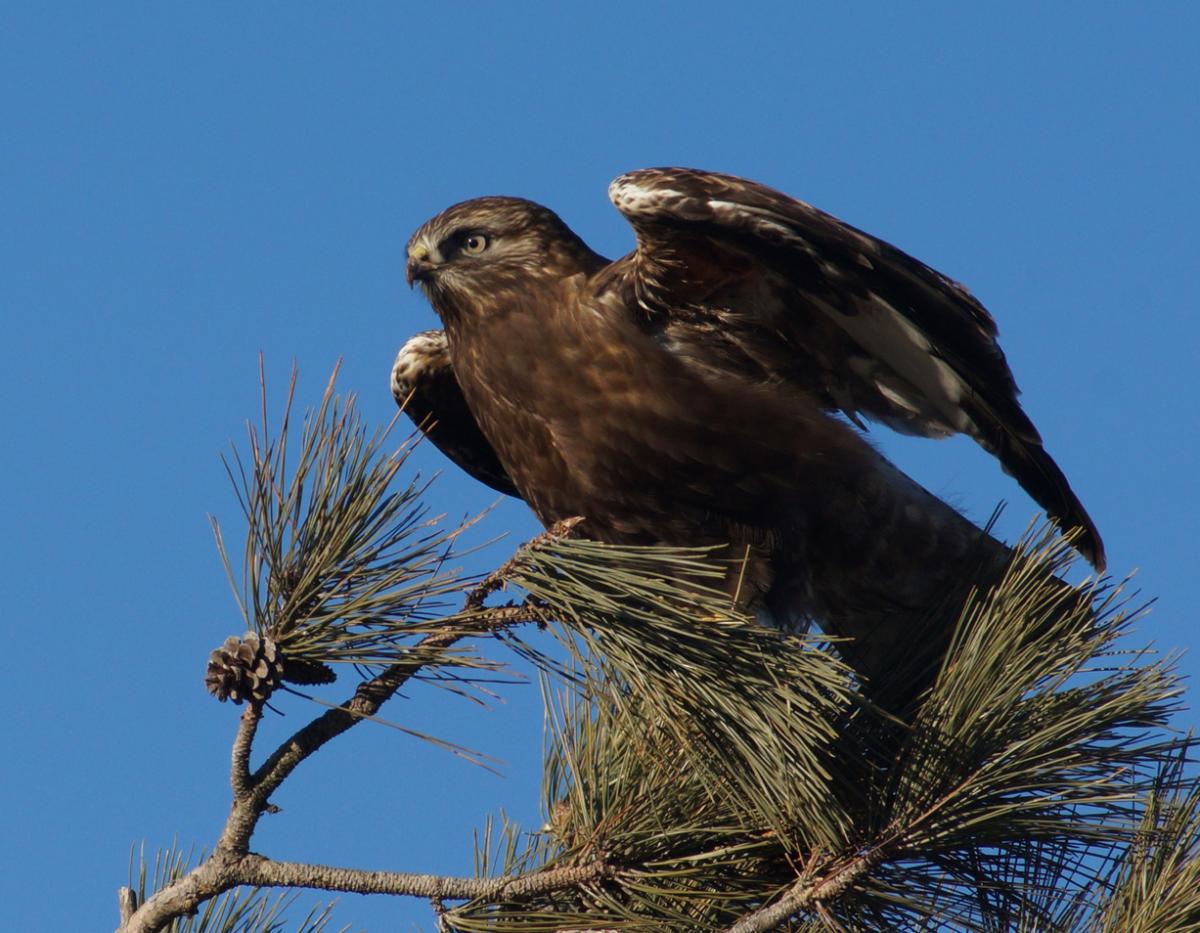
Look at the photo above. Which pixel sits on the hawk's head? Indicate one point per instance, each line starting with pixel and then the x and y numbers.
pixel 475 256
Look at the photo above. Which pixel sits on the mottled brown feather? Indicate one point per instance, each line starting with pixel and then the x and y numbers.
pixel 682 395
pixel 817 303
pixel 425 387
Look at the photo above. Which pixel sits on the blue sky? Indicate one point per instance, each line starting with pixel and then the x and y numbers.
pixel 187 185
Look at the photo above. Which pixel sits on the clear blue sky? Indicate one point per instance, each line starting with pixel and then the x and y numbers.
pixel 186 185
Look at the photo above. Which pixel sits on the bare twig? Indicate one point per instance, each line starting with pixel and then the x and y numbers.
pixel 263 872
pixel 221 872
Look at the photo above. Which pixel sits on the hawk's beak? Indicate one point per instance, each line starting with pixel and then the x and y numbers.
pixel 420 264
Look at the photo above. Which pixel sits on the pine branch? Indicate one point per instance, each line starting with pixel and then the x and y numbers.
pixel 339 570
pixel 218 875
pixel 265 872
pixel 370 695
pixel 240 909
pixel 702 772
pixel 1156 885
pixel 1020 774
pixel 232 864
pixel 810 892
pixel 330 576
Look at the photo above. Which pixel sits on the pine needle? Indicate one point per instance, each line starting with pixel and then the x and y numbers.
pixel 339 567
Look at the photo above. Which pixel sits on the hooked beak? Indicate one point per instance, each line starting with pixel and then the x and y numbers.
pixel 420 264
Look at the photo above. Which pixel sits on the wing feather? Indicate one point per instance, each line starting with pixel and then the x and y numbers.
pixel 828 309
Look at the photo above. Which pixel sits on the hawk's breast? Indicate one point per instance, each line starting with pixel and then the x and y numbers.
pixel 592 416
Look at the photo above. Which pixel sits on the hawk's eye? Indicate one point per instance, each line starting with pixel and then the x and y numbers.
pixel 474 244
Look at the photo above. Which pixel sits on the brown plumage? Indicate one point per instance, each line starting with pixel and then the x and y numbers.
pixel 424 385
pixel 687 393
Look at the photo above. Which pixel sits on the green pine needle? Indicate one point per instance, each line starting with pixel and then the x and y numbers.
pixel 721 762
pixel 339 567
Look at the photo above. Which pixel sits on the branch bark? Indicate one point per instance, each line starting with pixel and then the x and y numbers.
pixel 809 891
pixel 232 864
pixel 239 770
pixel 257 870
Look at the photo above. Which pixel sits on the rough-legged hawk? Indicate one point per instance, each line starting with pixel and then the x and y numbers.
pixel 688 392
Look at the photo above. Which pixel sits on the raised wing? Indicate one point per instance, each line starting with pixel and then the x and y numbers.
pixel 425 387
pixel 736 276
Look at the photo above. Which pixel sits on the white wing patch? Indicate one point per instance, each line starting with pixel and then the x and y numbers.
pixel 889 336
pixel 762 221
pixel 631 198
pixel 649 201
pixel 923 383
pixel 765 220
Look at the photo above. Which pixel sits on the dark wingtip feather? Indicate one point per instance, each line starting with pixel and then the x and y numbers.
pixel 1041 477
pixel 1088 543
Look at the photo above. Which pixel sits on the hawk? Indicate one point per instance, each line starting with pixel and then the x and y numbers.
pixel 711 387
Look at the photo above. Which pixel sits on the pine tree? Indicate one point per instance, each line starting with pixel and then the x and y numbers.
pixel 703 772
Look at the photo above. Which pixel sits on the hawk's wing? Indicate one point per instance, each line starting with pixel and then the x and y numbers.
pixel 425 387
pixel 735 275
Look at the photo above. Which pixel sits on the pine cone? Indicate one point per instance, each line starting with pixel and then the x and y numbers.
pixel 246 668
